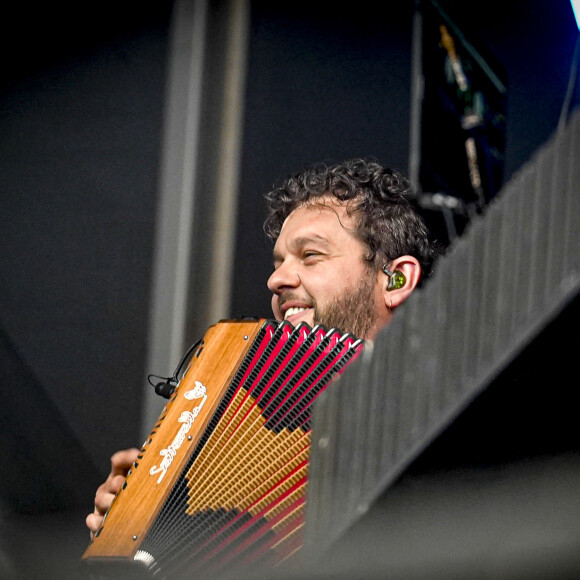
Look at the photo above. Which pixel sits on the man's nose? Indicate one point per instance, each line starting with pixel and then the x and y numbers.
pixel 284 276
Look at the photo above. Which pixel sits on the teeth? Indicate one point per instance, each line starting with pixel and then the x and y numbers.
pixel 292 311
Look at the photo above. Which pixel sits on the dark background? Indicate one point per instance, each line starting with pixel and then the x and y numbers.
pixel 81 113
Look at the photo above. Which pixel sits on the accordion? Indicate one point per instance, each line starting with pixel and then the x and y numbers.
pixel 220 483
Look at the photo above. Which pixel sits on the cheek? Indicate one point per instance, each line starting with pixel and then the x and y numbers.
pixel 335 279
pixel 324 290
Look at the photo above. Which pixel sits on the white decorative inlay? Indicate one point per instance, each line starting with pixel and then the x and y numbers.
pixel 187 418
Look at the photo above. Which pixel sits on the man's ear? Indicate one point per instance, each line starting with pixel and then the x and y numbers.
pixel 401 278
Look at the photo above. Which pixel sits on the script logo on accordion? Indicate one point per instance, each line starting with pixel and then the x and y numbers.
pixel 187 418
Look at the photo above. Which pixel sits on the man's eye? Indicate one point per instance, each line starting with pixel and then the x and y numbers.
pixel 311 255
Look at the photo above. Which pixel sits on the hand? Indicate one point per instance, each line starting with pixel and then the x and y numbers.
pixel 121 462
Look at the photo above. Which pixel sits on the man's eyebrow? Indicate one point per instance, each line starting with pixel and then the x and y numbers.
pixel 300 242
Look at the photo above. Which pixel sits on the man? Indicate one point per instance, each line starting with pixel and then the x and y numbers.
pixel 349 249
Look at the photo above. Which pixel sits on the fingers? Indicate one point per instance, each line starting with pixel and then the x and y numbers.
pixel 121 462
pixel 106 493
pixel 94 522
pixel 103 500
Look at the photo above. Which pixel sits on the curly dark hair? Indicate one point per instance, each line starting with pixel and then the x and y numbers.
pixel 386 220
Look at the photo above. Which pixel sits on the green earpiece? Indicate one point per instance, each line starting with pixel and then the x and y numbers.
pixel 396 279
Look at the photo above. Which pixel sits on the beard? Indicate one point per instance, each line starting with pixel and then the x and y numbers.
pixel 353 311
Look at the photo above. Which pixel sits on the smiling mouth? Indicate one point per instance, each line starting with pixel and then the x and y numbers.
pixel 291 311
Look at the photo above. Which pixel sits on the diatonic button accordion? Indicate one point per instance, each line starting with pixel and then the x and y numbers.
pixel 220 482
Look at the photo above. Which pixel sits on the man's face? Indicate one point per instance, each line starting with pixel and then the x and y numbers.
pixel 320 274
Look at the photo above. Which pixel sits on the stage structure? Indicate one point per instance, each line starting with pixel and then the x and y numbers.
pixel 458 121
pixel 503 303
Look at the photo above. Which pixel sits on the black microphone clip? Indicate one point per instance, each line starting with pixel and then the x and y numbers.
pixel 166 388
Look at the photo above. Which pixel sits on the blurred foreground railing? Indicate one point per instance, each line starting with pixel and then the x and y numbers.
pixel 497 287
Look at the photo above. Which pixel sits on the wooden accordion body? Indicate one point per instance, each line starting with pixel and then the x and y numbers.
pixel 220 483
